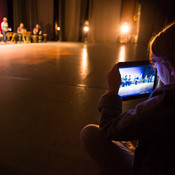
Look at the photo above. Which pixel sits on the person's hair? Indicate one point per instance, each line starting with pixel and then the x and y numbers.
pixel 39 27
pixel 4 18
pixel 162 45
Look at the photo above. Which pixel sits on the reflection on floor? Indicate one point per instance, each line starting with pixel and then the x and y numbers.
pixel 49 91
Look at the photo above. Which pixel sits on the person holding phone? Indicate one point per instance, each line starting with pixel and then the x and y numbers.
pixel 151 123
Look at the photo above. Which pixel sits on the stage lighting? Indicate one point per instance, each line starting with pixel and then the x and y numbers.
pixel 125 28
pixel 86 29
pixel 58 28
pixel 125 33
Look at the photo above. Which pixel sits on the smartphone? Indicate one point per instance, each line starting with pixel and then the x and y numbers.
pixel 138 79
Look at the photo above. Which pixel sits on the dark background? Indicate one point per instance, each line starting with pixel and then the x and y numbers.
pixel 104 16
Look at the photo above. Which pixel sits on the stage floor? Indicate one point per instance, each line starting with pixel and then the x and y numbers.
pixel 49 92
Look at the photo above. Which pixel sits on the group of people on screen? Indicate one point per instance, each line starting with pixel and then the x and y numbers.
pixel 37 30
pixel 127 80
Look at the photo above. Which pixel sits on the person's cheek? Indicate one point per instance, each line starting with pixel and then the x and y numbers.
pixel 164 74
pixel 158 70
pixel 161 74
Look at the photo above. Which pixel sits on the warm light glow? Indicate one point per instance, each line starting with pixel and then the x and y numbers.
pixel 86 29
pixel 125 28
pixel 38 53
pixel 122 54
pixel 58 28
pixel 84 63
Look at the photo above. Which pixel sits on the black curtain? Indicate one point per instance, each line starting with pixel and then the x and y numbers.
pixel 56 20
pixel 19 14
pixel 72 20
pixel 84 15
pixel 104 20
pixel 3 10
pixel 32 12
pixel 10 13
pixel 61 21
pixel 154 16
pixel 103 17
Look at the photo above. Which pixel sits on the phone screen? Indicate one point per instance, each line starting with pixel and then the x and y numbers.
pixel 137 80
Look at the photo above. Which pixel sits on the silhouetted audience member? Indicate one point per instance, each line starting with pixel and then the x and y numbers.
pixel 151 123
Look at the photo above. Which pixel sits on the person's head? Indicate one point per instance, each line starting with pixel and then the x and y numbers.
pixel 86 22
pixel 162 53
pixel 4 19
pixel 38 26
pixel 21 25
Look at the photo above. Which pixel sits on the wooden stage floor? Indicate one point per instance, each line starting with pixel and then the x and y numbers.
pixel 49 92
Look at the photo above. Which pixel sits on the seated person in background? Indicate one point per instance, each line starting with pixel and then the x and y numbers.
pixel 20 31
pixel 37 31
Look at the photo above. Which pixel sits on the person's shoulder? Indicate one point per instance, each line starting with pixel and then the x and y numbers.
pixel 169 87
pixel 167 90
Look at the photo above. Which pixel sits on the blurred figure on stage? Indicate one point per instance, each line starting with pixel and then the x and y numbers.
pixel 20 31
pixel 5 29
pixel 37 34
pixel 37 30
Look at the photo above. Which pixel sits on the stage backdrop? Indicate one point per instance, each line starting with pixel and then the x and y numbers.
pixel 155 15
pixel 3 10
pixel 72 19
pixel 104 19
pixel 34 12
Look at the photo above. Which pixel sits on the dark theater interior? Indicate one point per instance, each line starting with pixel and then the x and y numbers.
pixel 50 85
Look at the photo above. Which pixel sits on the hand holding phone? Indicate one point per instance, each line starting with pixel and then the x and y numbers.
pixel 114 79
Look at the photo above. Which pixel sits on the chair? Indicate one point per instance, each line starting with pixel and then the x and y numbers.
pixel 1 37
pixel 26 36
pixel 14 38
pixel 9 36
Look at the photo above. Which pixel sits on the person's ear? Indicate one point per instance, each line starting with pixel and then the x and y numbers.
pixel 172 69
pixel 173 73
